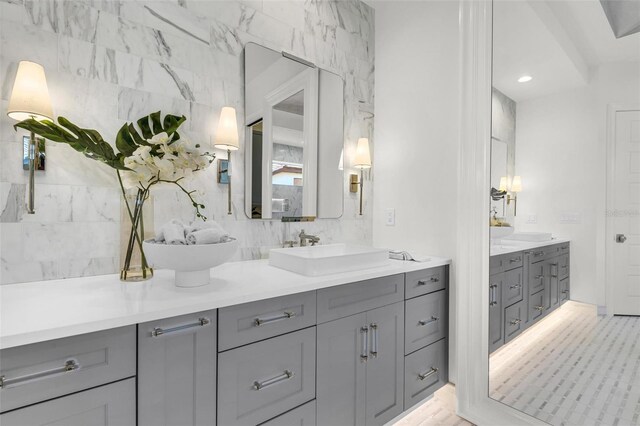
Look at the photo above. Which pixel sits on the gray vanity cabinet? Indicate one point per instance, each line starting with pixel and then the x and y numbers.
pixel 496 311
pixel 109 405
pixel 177 371
pixel 360 367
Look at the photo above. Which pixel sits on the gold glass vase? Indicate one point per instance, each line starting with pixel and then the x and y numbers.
pixel 136 219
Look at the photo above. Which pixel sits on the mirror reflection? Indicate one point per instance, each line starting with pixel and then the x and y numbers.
pixel 564 287
pixel 294 119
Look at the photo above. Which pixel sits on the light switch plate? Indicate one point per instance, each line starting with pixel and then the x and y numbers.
pixel 532 218
pixel 390 217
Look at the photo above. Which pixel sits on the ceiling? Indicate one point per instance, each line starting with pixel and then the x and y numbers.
pixel 558 43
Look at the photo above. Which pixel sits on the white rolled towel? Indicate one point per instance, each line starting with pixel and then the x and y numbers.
pixel 208 236
pixel 198 225
pixel 173 232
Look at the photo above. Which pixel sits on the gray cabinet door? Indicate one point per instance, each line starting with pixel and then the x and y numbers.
pixel 109 405
pixel 341 371
pixel 385 369
pixel 425 371
pixel 554 272
pixel 514 321
pixel 426 320
pixel 512 288
pixel 536 306
pixel 260 381
pixel 495 311
pixel 564 291
pixel 538 273
pixel 426 281
pixel 177 371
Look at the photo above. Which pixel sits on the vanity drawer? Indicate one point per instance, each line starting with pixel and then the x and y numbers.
pixel 425 371
pixel 564 289
pixel 46 370
pixel 563 266
pixel 505 262
pixel 515 317
pixel 427 281
pixel 537 276
pixel 109 405
pixel 305 415
pixel 251 322
pixel 262 380
pixel 536 306
pixel 425 320
pixel 349 299
pixel 512 287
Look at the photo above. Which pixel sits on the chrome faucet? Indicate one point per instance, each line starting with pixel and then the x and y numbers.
pixel 313 239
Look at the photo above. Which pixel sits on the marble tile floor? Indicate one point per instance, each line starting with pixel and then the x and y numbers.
pixel 572 368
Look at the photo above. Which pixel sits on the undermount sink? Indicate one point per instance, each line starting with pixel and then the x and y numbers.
pixel 327 259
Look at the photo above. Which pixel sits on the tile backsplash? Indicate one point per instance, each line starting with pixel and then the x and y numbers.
pixel 110 61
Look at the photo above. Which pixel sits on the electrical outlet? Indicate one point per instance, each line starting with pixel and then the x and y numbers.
pixel 570 218
pixel 532 218
pixel 390 217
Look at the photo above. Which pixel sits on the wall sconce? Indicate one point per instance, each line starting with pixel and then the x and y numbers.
pixel 227 138
pixel 362 161
pixel 511 189
pixel 30 99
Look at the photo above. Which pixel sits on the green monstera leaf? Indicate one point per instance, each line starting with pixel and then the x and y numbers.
pixel 86 141
pixel 90 143
pixel 129 138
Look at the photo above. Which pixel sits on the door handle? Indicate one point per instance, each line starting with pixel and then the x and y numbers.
pixel 374 340
pixel 621 238
pixel 364 334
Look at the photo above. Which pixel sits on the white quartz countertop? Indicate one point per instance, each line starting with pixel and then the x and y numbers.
pixel 513 246
pixel 45 310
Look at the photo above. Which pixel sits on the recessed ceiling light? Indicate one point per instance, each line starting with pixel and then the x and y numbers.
pixel 525 78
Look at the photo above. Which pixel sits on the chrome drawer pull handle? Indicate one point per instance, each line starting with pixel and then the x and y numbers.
pixel 282 377
pixel 514 286
pixel 515 321
pixel 70 365
pixel 538 253
pixel 565 291
pixel 430 280
pixel 539 308
pixel 159 331
pixel 429 321
pixel 364 333
pixel 514 260
pixel 374 340
pixel 539 277
pixel 429 373
pixel 285 315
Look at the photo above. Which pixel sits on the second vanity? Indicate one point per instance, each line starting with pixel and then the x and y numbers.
pixel 259 345
pixel 527 282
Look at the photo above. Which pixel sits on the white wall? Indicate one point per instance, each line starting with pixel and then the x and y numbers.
pixel 416 131
pixel 561 156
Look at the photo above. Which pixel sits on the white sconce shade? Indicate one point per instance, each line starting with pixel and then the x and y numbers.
pixel 227 134
pixel 503 184
pixel 516 185
pixel 363 155
pixel 30 94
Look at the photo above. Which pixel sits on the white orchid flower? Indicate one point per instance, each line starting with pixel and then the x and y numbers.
pixel 159 139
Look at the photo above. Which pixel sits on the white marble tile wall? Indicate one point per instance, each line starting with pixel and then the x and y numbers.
pixel 109 61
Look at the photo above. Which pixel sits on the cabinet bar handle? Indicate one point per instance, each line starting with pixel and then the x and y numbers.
pixel 429 321
pixel 492 295
pixel 514 286
pixel 70 365
pixel 286 375
pixel 285 315
pixel 565 291
pixel 515 321
pixel 364 334
pixel 374 340
pixel 429 373
pixel 159 331
pixel 514 260
pixel 430 280
pixel 538 253
pixel 539 308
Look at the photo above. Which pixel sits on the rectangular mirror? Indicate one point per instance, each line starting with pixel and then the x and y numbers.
pixel 295 137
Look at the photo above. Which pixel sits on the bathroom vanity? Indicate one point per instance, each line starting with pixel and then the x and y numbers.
pixel 259 345
pixel 527 282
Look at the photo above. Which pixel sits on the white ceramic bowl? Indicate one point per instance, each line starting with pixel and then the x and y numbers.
pixel 192 263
